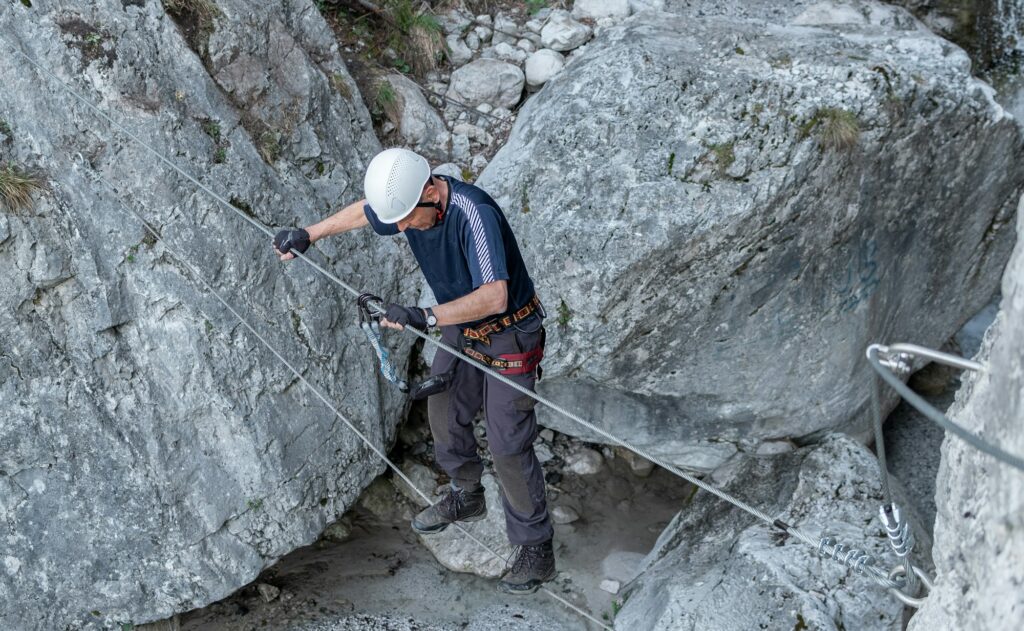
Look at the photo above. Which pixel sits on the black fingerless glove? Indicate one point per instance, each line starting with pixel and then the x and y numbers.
pixel 288 240
pixel 407 316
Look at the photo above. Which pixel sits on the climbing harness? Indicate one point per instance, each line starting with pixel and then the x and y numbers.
pixel 509 363
pixel 855 559
pixel 494 326
pixel 370 325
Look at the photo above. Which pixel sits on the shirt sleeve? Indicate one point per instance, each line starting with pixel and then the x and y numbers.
pixel 482 243
pixel 381 228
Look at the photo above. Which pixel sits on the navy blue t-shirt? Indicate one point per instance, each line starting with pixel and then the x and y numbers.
pixel 471 245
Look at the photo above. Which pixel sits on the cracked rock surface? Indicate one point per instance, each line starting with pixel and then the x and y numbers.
pixel 979 526
pixel 715 252
pixel 154 457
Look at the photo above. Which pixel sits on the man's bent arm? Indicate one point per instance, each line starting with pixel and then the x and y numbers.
pixel 348 218
pixel 487 299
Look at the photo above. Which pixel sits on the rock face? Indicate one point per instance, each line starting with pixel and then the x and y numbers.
pixel 713 556
pixel 979 529
pixel 154 457
pixel 722 212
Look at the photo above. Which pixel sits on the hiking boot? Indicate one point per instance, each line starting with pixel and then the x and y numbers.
pixel 456 505
pixel 533 565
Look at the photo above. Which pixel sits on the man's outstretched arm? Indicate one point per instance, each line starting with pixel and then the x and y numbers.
pixel 348 218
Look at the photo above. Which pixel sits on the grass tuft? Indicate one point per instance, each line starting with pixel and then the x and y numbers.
pixel 17 187
pixel 840 129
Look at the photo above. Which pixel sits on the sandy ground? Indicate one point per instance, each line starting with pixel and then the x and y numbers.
pixel 383 578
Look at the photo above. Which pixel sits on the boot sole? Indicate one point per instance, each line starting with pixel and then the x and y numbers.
pixel 433 530
pixel 527 588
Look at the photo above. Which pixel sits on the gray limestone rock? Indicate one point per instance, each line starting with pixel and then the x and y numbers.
pixel 596 9
pixel 458 52
pixel 542 65
pixel 716 567
pixel 418 122
pixel 698 308
pixel 979 528
pixel 563 33
pixel 154 456
pixel 490 81
pixel 459 553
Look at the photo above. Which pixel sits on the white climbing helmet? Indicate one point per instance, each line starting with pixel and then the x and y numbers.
pixel 394 182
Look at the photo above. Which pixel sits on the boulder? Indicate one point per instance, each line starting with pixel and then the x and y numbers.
pixel 506 31
pixel 717 568
pixel 459 553
pixel 562 33
pixel 542 65
pixel 418 122
pixel 719 229
pixel 458 52
pixel 597 9
pixel 497 83
pixel 979 527
pixel 154 456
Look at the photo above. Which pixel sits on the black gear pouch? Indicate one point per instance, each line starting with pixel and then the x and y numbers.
pixel 434 385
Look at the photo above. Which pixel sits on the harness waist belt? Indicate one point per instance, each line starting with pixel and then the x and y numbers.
pixel 510 364
pixel 483 332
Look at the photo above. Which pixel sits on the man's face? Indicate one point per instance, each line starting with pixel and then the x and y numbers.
pixel 422 218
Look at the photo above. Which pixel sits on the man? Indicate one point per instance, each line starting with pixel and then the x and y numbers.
pixel 487 308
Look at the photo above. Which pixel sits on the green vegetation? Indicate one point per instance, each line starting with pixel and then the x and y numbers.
pixel 724 155
pixel 255 504
pixel 467 175
pixel 220 156
pixel 616 608
pixel 27 3
pixel 17 187
pixel 564 314
pixel 420 36
pixel 801 624
pixel 535 5
pixel 671 162
pixel 5 129
pixel 205 11
pixel 212 129
pixel 269 146
pixel 385 102
pixel 341 86
pixel 525 201
pixel 837 128
pixel 739 51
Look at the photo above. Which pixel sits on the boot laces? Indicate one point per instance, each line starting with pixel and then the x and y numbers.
pixel 526 557
pixel 453 502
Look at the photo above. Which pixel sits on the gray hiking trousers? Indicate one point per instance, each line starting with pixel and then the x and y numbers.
pixel 511 429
